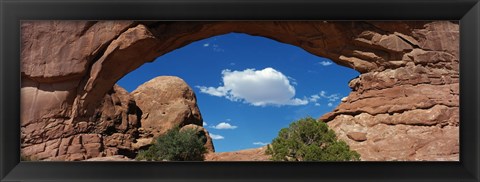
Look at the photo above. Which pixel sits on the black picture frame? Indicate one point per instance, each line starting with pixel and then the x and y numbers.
pixel 466 11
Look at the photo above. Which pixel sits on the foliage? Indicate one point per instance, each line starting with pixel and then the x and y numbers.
pixel 309 140
pixel 175 145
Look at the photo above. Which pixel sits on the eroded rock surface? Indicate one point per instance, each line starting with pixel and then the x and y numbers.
pixel 405 100
pixel 168 102
pixel 110 132
pixel 255 154
pixel 410 112
pixel 111 158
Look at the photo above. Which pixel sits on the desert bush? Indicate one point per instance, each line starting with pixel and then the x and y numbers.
pixel 175 145
pixel 309 140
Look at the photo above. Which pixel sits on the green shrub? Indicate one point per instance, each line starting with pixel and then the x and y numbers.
pixel 309 140
pixel 175 145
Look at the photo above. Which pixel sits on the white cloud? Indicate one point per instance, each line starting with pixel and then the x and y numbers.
pixel 206 45
pixel 330 104
pixel 224 125
pixel 260 143
pixel 314 98
pixel 294 82
pixel 325 63
pixel 256 87
pixel 331 98
pixel 205 123
pixel 323 94
pixel 219 92
pixel 216 137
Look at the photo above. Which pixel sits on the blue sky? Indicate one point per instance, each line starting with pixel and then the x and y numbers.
pixel 249 87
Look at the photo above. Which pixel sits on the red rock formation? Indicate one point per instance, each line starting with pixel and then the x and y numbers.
pixel 405 100
pixel 255 154
pixel 111 158
pixel 167 102
pixel 410 112
pixel 357 136
pixel 111 131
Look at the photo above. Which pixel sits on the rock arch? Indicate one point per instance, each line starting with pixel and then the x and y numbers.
pixel 405 103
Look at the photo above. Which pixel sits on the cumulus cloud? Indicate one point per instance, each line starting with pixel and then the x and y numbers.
pixel 216 137
pixel 223 126
pixel 325 63
pixel 330 104
pixel 317 104
pixel 204 123
pixel 206 45
pixel 256 87
pixel 260 143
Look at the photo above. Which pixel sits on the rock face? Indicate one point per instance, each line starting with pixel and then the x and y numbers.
pixel 255 154
pixel 168 102
pixel 111 158
pixel 405 100
pixel 111 131
pixel 410 112
pixel 118 122
pixel 357 136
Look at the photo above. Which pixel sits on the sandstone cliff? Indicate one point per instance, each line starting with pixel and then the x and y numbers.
pixel 409 112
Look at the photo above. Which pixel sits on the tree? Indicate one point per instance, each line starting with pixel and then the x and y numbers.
pixel 175 145
pixel 309 140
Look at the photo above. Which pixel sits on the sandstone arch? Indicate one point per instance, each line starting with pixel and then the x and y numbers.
pixel 408 84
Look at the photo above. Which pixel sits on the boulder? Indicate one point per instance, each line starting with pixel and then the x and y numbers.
pixel 357 136
pixel 166 102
